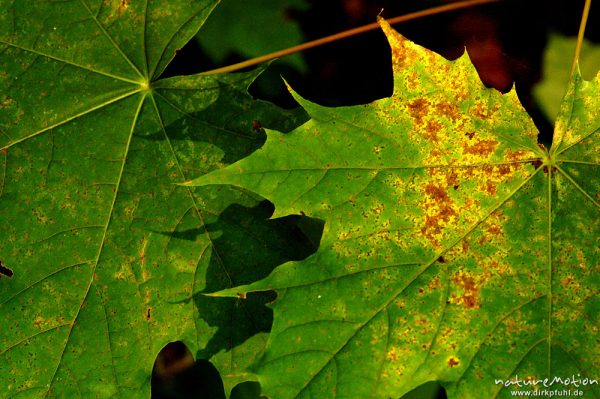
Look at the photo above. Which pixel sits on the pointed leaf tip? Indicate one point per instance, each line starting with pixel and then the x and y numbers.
pixel 400 46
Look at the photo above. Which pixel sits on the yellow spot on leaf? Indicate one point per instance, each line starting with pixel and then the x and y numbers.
pixel 453 361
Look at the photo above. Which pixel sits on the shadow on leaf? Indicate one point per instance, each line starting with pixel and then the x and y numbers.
pixel 246 247
pixel 250 246
pixel 216 122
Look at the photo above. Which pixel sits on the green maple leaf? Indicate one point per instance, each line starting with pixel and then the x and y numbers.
pixel 454 249
pixel 106 250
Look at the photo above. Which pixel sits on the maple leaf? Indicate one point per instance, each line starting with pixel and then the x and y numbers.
pixel 455 248
pixel 102 249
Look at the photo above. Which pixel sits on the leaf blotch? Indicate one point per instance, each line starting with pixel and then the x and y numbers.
pixel 431 130
pixel 482 148
pixel 441 213
pixel 537 163
pixel 516 155
pixel 124 5
pixel 418 110
pixel 468 287
pixel 449 110
pixel 453 361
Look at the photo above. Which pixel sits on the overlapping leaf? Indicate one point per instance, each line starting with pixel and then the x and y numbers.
pixel 106 250
pixel 455 249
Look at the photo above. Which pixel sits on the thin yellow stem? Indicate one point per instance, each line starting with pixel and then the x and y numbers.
pixel 342 35
pixel 584 18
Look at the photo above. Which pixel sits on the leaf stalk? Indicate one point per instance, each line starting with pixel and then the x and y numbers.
pixel 580 35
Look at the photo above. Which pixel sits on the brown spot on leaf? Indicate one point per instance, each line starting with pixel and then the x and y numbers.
pixel 470 134
pixel 494 229
pixel 256 125
pixel 516 155
pixel 241 295
pixel 453 361
pixel 479 111
pixel 469 296
pixel 148 314
pixel 435 154
pixel 5 102
pixel 412 81
pixel 418 109
pixel 431 130
pixel 490 188
pixel 143 252
pixel 465 246
pixel 484 110
pixel 503 170
pixel 437 193
pixel 537 163
pixel 433 284
pixel 565 282
pixel 482 148
pixel 452 179
pixel 442 212
pixel 448 109
pixel 546 169
pixel 392 355
pixel 517 326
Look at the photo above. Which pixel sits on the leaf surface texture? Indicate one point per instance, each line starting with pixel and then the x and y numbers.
pixel 107 251
pixel 454 249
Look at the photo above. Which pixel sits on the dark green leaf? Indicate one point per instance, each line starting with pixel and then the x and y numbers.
pixel 93 226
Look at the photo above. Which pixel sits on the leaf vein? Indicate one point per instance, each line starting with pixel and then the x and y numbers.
pixel 111 40
pixel 70 118
pixel 102 242
pixel 67 62
pixel 585 193
pixel 42 280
